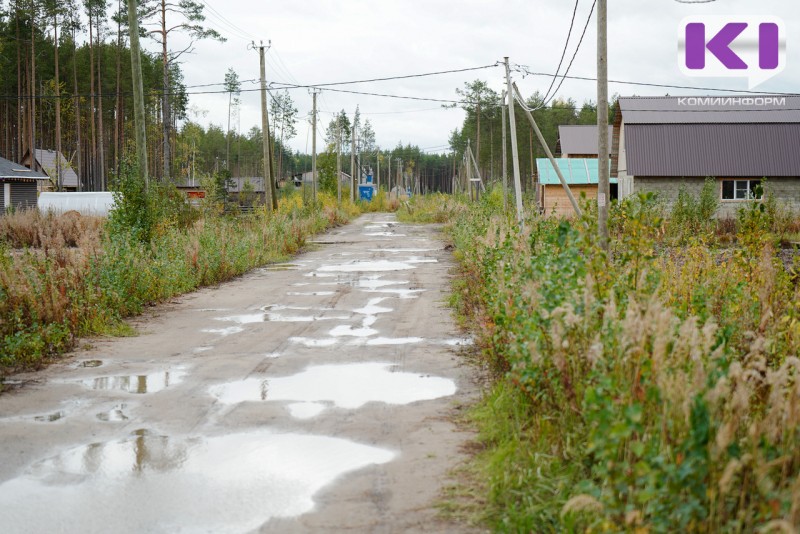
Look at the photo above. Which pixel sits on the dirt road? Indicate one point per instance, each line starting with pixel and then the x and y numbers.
pixel 310 396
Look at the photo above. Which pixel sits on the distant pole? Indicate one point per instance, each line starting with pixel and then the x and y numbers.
pixel 338 159
pixel 378 174
pixel 604 190
pixel 314 149
pixel 514 150
pixel 353 178
pixel 389 177
pixel 138 93
pixel 270 183
pixel 505 150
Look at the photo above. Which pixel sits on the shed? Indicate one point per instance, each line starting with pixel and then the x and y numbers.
pixel 581 175
pixel 47 161
pixel 661 144
pixel 19 185
pixel 579 141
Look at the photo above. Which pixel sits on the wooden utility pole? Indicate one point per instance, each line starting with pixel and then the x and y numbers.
pixel 339 159
pixel 378 174
pixel 389 177
pixel 505 149
pixel 269 185
pixel 138 93
pixel 549 154
pixel 514 150
pixel 59 181
pixel 353 179
pixel 314 147
pixel 604 190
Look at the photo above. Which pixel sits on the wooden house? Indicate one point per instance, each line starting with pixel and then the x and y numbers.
pixel 19 185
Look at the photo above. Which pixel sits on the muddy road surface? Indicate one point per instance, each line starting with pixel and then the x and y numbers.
pixel 312 396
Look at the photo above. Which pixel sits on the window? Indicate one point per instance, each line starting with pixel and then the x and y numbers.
pixel 742 190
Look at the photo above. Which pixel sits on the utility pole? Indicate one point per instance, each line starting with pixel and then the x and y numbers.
pixel 514 150
pixel 339 159
pixel 270 188
pixel 138 93
pixel 389 177
pixel 378 174
pixel 314 148
pixel 353 179
pixel 604 190
pixel 505 149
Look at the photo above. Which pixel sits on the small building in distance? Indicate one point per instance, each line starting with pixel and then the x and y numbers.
pixel 47 161
pixel 579 141
pixel 581 174
pixel 662 144
pixel 19 185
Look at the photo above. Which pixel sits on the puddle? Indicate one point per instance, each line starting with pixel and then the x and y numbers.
pixel 224 332
pixel 402 250
pixel 198 350
pixel 213 309
pixel 49 418
pixel 421 260
pixel 372 307
pixel 459 342
pixel 367 283
pixel 367 266
pixel 377 226
pixel 151 483
pixel 305 410
pixel 310 293
pixel 401 293
pixel 139 384
pixel 347 330
pixel 394 341
pixel 383 234
pixel 90 363
pixel 116 413
pixel 347 386
pixel 273 355
pixel 248 318
pixel 313 343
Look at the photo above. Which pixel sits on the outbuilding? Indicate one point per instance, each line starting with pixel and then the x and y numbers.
pixel 19 185
pixel 663 144
pixel 581 174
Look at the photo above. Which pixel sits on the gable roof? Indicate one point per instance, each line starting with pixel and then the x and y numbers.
pixel 11 170
pixel 576 171
pixel 580 139
pixel 748 136
pixel 46 159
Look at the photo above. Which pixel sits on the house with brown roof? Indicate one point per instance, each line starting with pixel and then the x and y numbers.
pixel 51 162
pixel 19 186
pixel 579 141
pixel 661 144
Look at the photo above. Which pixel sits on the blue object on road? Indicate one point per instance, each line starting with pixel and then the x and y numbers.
pixel 365 192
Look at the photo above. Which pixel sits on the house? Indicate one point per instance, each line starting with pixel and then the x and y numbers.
pixel 581 174
pixel 306 178
pixel 48 161
pixel 662 144
pixel 579 141
pixel 194 191
pixel 237 190
pixel 19 185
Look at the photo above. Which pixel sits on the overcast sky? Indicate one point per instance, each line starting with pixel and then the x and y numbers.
pixel 319 41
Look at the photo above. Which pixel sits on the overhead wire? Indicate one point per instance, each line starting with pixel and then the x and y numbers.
pixel 564 51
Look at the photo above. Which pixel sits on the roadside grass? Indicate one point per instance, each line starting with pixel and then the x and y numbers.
pixel 76 277
pixel 652 389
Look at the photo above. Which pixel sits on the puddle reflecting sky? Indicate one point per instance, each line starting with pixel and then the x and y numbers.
pixel 140 384
pixel 366 266
pixel 346 385
pixel 147 483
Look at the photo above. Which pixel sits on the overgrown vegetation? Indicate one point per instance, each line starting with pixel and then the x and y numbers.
pixel 654 389
pixel 77 276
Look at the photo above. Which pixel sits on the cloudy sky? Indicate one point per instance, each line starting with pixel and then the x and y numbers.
pixel 319 41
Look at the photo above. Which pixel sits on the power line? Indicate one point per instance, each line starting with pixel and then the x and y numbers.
pixel 402 77
pixel 527 72
pixel 583 34
pixel 564 51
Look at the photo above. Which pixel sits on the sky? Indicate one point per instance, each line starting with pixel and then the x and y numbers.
pixel 322 41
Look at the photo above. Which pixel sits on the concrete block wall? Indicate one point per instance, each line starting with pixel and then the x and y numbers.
pixel 785 189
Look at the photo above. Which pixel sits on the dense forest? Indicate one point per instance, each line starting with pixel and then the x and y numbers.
pixel 65 84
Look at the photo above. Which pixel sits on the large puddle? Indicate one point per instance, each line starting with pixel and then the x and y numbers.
pixel 147 483
pixel 141 384
pixel 366 266
pixel 346 386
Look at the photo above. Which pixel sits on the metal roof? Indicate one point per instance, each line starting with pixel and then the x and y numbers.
pixel 9 169
pixel 580 139
pixel 47 161
pixel 710 109
pixel 576 171
pixel 756 150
